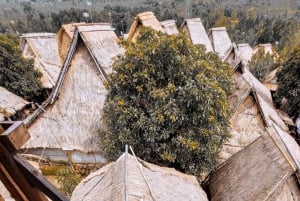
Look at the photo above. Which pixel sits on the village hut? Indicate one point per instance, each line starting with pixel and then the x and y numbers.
pixel 197 33
pixel 145 19
pixel 64 127
pixel 64 39
pixel 130 178
pixel 221 42
pixel 245 52
pixel 169 27
pixel 42 47
pixel 265 170
pixel 11 106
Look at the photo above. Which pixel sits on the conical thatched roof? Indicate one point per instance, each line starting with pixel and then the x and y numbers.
pixel 169 27
pixel 10 103
pixel 134 180
pixel 221 42
pixel 197 33
pixel 42 47
pixel 145 19
pixel 72 114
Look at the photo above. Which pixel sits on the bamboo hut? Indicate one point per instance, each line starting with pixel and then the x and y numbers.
pixel 42 47
pixel 11 106
pixel 64 39
pixel 197 33
pixel 130 178
pixel 145 19
pixel 169 27
pixel 221 42
pixel 246 52
pixel 265 170
pixel 64 127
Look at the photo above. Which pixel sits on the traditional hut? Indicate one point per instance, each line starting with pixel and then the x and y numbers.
pixel 245 52
pixel 221 42
pixel 64 127
pixel 265 170
pixel 197 33
pixel 169 27
pixel 11 106
pixel 42 47
pixel 64 39
pixel 145 19
pixel 130 178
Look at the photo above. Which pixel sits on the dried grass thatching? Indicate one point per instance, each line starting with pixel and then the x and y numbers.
pixel 197 33
pixel 10 104
pixel 145 19
pixel 245 52
pixel 221 42
pixel 132 179
pixel 42 47
pixel 169 27
pixel 64 39
pixel 270 80
pixel 73 112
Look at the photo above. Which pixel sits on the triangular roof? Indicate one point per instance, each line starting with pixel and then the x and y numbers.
pixel 145 19
pixel 72 114
pixel 245 52
pixel 42 47
pixel 10 103
pixel 169 27
pixel 130 178
pixel 221 42
pixel 197 33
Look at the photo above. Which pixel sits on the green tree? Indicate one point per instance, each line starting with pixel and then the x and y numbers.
pixel 168 100
pixel 262 64
pixel 288 91
pixel 17 74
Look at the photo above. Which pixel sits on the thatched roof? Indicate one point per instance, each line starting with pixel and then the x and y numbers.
pixel 42 47
pixel 221 42
pixel 64 39
pixel 245 52
pixel 169 27
pixel 270 80
pixel 261 171
pixel 268 48
pixel 10 103
pixel 74 109
pixel 145 19
pixel 133 179
pixel 197 33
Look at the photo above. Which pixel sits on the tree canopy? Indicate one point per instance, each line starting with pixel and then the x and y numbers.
pixel 168 100
pixel 288 92
pixel 16 73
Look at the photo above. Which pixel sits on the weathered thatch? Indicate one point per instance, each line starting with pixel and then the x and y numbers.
pixel 132 179
pixel 197 33
pixel 221 42
pixel 145 19
pixel 64 39
pixel 42 47
pixel 10 104
pixel 245 52
pixel 169 27
pixel 270 80
pixel 261 171
pixel 72 114
pixel 268 48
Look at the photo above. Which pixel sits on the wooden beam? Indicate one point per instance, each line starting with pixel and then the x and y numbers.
pixel 38 180
pixel 6 158
pixel 1 198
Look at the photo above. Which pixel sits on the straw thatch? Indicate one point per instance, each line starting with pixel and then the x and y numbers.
pixel 197 33
pixel 268 48
pixel 169 27
pixel 145 19
pixel 270 80
pixel 221 42
pixel 261 171
pixel 132 179
pixel 72 114
pixel 10 104
pixel 245 52
pixel 42 47
pixel 64 39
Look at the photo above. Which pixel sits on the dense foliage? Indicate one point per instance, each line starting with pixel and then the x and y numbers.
pixel 288 93
pixel 68 180
pixel 168 100
pixel 17 74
